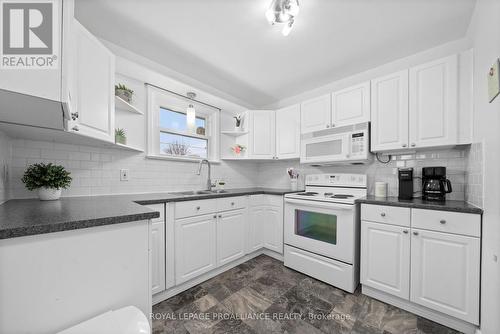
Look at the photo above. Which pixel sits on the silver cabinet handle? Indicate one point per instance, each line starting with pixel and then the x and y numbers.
pixel 328 126
pixel 215 216
pixel 403 145
pixel 405 231
pixel 413 144
pixel 383 214
pixel 75 128
pixel 232 203
pixel 333 125
pixel 415 233
pixel 198 208
pixel 220 216
pixel 442 221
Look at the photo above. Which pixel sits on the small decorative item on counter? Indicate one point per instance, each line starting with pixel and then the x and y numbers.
pixel 238 149
pixel 120 136
pixel 238 118
pixel 380 189
pixel 220 184
pixel 294 176
pixel 124 93
pixel 48 179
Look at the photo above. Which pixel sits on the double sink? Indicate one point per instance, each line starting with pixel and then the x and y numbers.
pixel 199 192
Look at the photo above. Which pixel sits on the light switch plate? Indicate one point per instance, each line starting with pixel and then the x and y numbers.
pixel 124 175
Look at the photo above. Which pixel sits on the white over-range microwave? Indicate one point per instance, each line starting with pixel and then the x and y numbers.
pixel 343 145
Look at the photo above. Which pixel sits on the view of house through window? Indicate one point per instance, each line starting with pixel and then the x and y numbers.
pixel 177 140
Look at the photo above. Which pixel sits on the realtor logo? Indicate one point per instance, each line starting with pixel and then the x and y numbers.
pixel 28 34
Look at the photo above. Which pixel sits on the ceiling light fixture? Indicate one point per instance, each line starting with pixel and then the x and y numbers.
pixel 284 12
pixel 191 113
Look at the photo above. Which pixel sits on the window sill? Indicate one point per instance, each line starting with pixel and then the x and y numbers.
pixel 179 159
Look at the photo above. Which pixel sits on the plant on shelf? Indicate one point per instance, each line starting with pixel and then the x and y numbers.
pixel 238 118
pixel 238 149
pixel 124 93
pixel 120 136
pixel 48 179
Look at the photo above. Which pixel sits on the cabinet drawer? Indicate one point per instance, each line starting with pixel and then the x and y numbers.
pixel 195 208
pixel 448 222
pixel 160 208
pixel 386 214
pixel 231 203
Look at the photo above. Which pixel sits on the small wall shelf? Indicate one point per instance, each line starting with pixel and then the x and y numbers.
pixel 125 106
pixel 234 133
pixel 127 147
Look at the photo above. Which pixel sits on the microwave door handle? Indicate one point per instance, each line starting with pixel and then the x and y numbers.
pixel 319 204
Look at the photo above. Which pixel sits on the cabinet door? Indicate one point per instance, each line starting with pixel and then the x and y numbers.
pixel 255 238
pixel 389 112
pixel 385 258
pixel 315 114
pixel 230 236
pixel 262 134
pixel 195 246
pixel 433 103
pixel 94 96
pixel 157 256
pixel 445 273
pixel 288 132
pixel 351 105
pixel 45 82
pixel 272 227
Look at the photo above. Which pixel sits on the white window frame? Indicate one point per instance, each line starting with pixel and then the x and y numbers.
pixel 160 99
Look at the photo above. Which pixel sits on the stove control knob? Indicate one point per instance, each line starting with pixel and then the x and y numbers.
pixel 383 214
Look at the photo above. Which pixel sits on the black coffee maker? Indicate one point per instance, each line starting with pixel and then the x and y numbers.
pixel 435 185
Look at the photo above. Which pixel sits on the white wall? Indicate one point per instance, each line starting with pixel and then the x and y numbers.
pixel 273 173
pixel 5 157
pixel 484 34
pixel 96 171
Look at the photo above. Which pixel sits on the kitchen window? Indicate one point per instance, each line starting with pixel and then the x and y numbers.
pixel 170 134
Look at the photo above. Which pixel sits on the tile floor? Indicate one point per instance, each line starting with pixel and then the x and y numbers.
pixel 263 296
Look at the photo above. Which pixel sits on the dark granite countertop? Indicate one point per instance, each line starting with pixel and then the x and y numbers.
pixel 418 203
pixel 25 217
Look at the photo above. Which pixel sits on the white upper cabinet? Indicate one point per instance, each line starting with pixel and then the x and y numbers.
pixel 45 83
pixel 445 273
pixel 351 105
pixel 315 114
pixel 385 258
pixel 288 132
pixel 261 134
pixel 389 112
pixel 433 103
pixel 93 98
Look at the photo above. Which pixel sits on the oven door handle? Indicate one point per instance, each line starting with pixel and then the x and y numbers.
pixel 319 204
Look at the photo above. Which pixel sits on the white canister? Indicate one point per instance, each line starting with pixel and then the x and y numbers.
pixel 380 189
pixel 294 184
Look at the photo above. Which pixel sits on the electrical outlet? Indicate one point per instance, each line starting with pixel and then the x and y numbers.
pixel 124 175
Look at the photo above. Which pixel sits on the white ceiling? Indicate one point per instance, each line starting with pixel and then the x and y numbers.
pixel 229 45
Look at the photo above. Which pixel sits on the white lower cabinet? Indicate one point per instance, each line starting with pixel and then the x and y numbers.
pixel 445 273
pixel 266 223
pixel 157 256
pixel 195 246
pixel 434 268
pixel 385 258
pixel 230 236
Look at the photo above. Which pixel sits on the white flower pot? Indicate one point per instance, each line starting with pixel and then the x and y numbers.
pixel 49 194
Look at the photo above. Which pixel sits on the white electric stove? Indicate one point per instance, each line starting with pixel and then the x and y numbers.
pixel 321 228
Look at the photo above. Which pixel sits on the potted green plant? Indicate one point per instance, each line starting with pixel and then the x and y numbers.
pixel 48 179
pixel 124 93
pixel 238 118
pixel 120 136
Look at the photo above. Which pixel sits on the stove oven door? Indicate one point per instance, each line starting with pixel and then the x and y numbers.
pixel 323 228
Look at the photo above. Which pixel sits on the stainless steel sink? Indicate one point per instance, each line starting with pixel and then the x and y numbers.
pixel 199 192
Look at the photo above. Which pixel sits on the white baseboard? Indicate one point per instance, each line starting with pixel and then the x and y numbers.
pixel 164 295
pixel 425 312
